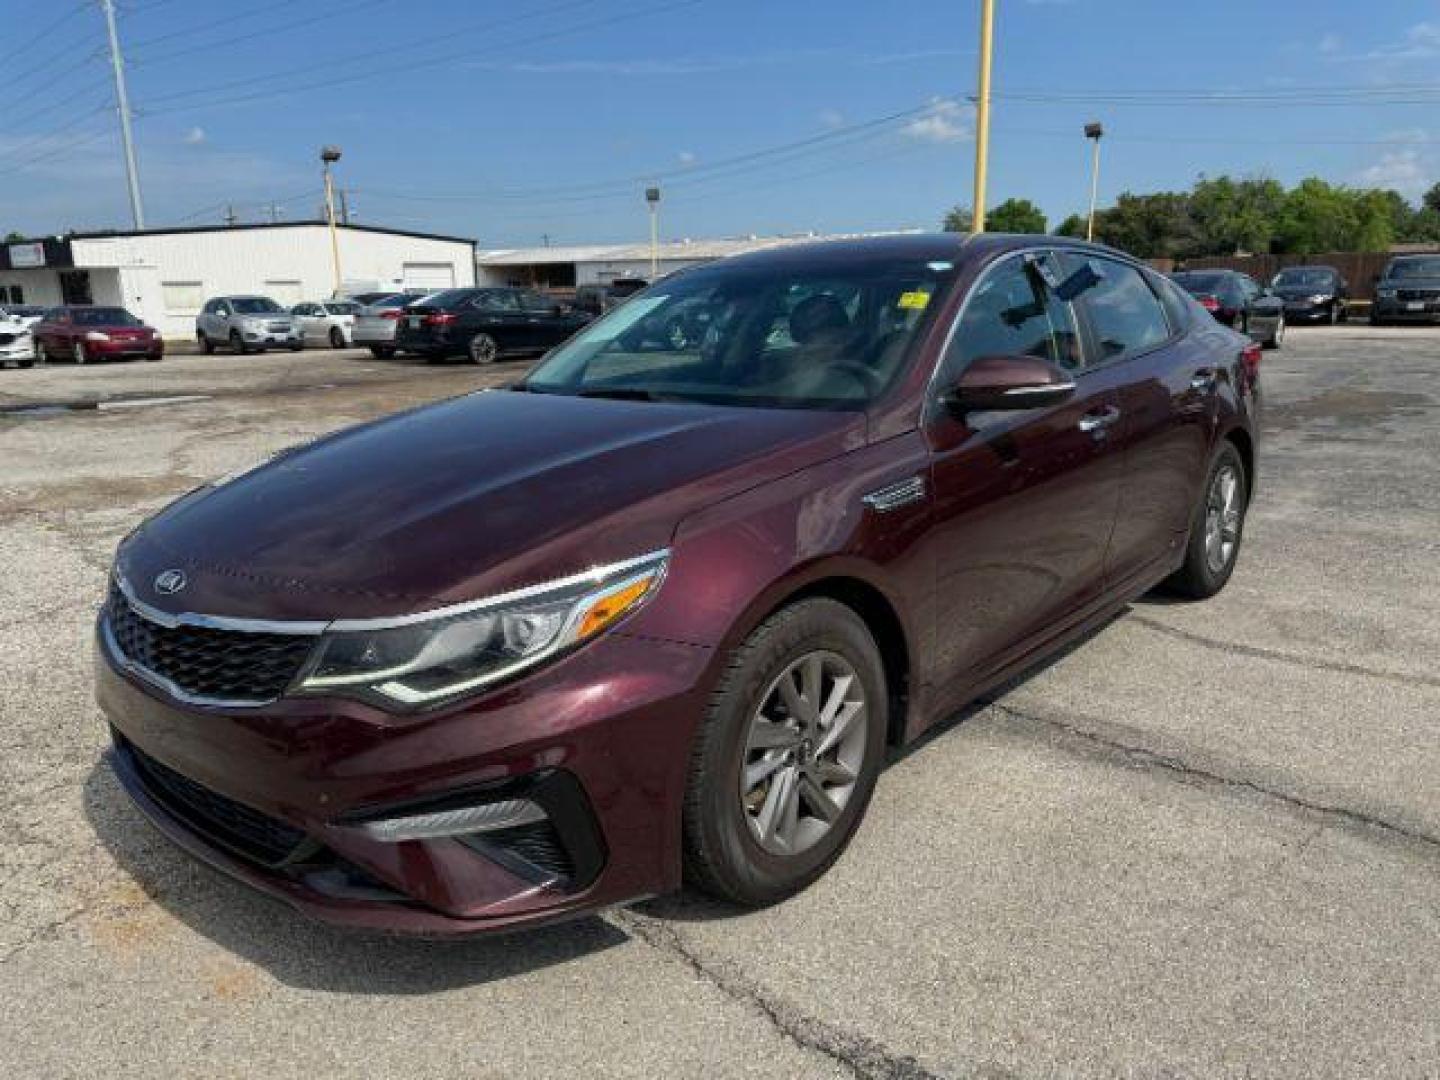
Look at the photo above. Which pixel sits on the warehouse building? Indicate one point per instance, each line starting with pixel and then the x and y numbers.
pixel 600 264
pixel 163 276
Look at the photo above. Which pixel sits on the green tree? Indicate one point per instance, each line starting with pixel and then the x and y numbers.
pixel 1318 217
pixel 1074 225
pixel 1154 226
pixel 1232 216
pixel 959 219
pixel 1016 216
pixel 13 237
pixel 1431 199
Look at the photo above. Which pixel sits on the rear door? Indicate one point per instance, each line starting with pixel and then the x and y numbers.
pixel 497 312
pixel 1136 325
pixel 1024 500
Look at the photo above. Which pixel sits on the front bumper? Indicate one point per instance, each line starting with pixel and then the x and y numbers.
pixel 1306 311
pixel 119 349
pixel 1406 310
pixel 611 725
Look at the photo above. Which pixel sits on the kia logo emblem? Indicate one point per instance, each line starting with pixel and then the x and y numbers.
pixel 169 582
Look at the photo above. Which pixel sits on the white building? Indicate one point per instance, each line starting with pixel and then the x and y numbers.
pixel 163 276
pixel 600 264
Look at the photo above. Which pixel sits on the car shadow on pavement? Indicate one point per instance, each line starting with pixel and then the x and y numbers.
pixel 302 953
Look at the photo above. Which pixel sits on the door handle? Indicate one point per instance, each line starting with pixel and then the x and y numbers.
pixel 1203 379
pixel 1096 423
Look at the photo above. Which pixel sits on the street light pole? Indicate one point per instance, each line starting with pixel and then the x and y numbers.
pixel 122 105
pixel 982 113
pixel 652 197
pixel 1095 132
pixel 328 156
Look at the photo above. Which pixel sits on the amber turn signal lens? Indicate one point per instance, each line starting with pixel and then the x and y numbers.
pixel 610 607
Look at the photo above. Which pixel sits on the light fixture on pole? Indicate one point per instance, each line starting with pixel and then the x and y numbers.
pixel 982 113
pixel 652 199
pixel 1095 132
pixel 328 156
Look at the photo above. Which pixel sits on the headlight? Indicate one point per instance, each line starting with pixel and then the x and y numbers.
pixel 1385 294
pixel 420 660
pixel 1320 298
pixel 96 335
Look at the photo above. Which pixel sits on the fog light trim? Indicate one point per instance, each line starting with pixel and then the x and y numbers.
pixel 488 817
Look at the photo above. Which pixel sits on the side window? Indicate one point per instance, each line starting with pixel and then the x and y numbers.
pixel 1126 316
pixel 1176 303
pixel 1012 311
pixel 496 300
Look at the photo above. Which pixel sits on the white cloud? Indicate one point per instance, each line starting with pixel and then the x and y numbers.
pixel 832 118
pixel 944 121
pixel 195 136
pixel 1331 44
pixel 1403 170
pixel 686 157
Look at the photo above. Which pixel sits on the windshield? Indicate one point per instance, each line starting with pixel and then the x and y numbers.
pixel 1402 269
pixel 341 307
pixel 446 298
pixel 1196 284
pixel 783 335
pixel 104 316
pixel 257 305
pixel 1305 277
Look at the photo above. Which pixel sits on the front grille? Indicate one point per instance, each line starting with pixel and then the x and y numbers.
pixel 7 339
pixel 232 825
pixel 1419 294
pixel 279 328
pixel 216 665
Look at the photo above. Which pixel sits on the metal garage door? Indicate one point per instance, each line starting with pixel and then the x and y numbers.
pixel 427 277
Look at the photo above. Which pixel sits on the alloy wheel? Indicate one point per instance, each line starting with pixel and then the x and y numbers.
pixel 804 752
pixel 483 349
pixel 1222 519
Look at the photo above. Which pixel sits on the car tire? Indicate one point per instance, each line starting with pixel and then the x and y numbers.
pixel 381 352
pixel 337 338
pixel 1217 528
pixel 237 344
pixel 206 345
pixel 297 347
pixel 77 352
pixel 757 844
pixel 28 361
pixel 1337 314
pixel 483 349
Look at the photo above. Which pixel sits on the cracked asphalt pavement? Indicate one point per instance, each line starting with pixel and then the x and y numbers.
pixel 1203 842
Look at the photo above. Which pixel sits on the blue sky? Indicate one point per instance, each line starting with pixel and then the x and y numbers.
pixel 511 121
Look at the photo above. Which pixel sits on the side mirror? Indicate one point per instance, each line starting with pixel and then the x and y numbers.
pixel 1008 382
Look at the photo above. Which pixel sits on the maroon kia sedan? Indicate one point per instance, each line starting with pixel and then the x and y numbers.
pixel 655 612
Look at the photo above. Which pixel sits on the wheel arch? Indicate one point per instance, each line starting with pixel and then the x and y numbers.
pixel 880 617
pixel 1244 444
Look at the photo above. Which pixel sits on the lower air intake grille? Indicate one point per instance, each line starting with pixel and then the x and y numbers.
pixel 537 844
pixel 234 826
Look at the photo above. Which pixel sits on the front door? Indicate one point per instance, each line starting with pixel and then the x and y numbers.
pixel 1024 501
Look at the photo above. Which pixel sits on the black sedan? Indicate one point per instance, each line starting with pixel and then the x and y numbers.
pixel 1237 301
pixel 484 324
pixel 1312 294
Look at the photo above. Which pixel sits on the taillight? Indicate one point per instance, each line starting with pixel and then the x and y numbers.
pixel 1250 360
pixel 440 318
pixel 397 313
pixel 1209 303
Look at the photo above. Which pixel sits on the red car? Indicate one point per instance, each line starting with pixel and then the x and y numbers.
pixel 82 333
pixel 655 612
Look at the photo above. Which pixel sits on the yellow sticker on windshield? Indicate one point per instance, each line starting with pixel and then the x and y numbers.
pixel 914 301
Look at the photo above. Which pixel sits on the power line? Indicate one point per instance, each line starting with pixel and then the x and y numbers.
pixel 48 29
pixel 349 8
pixel 408 65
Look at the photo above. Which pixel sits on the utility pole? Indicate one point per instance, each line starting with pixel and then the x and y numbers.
pixel 652 198
pixel 344 207
pixel 230 218
pixel 122 105
pixel 328 156
pixel 982 113
pixel 1096 132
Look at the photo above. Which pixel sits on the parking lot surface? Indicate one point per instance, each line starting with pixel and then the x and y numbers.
pixel 1204 842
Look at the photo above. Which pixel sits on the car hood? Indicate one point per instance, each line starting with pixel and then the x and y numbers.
pixel 1302 292
pixel 464 499
pixel 273 316
pixel 1410 283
